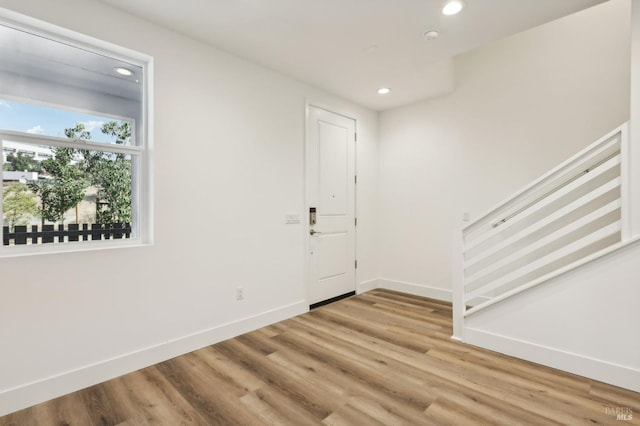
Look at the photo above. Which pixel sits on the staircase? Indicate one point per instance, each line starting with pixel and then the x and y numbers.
pixel 549 274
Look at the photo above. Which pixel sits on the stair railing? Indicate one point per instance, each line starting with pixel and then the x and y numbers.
pixel 576 212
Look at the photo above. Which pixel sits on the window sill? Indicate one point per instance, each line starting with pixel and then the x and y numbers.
pixel 69 247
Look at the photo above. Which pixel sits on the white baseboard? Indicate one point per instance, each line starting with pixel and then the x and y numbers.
pixel 617 375
pixel 415 289
pixel 29 394
pixel 365 286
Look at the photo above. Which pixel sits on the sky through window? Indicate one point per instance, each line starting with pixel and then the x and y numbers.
pixel 42 120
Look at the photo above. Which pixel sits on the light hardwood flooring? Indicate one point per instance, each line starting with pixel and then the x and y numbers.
pixel 380 358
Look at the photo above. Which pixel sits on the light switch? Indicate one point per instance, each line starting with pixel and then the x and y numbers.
pixel 291 218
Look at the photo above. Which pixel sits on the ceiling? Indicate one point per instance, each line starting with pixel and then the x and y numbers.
pixel 31 58
pixel 353 47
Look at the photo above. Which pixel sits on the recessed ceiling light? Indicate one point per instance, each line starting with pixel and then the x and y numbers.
pixel 124 71
pixel 453 7
pixel 431 34
pixel 383 91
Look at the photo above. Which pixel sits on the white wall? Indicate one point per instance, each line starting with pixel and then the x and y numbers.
pixel 634 134
pixel 521 106
pixel 70 320
pixel 597 306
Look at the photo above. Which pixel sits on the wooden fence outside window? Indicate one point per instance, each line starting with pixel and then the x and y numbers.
pixel 64 233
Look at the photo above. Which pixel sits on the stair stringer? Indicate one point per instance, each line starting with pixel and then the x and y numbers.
pixel 584 322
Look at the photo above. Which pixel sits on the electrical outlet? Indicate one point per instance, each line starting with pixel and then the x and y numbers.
pixel 239 293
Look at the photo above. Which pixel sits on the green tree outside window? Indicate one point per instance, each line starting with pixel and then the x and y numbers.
pixel 19 204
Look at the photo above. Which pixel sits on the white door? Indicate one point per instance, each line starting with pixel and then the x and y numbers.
pixel 330 190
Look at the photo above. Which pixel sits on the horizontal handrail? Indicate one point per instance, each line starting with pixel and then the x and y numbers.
pixel 598 171
pixel 551 275
pixel 546 260
pixel 555 189
pixel 561 233
pixel 557 215
pixel 605 142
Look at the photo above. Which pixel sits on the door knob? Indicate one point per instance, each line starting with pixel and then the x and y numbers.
pixel 312 232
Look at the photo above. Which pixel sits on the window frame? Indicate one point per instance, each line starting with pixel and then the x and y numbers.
pixel 141 152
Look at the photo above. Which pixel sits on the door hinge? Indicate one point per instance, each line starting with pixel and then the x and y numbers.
pixel 356 221
pixel 355 179
pixel 356 264
pixel 355 137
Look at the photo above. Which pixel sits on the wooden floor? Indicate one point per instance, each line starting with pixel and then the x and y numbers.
pixel 378 358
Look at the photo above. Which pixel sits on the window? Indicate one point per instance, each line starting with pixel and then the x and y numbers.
pixel 73 133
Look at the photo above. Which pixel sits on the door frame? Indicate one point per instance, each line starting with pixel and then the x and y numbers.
pixel 309 103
